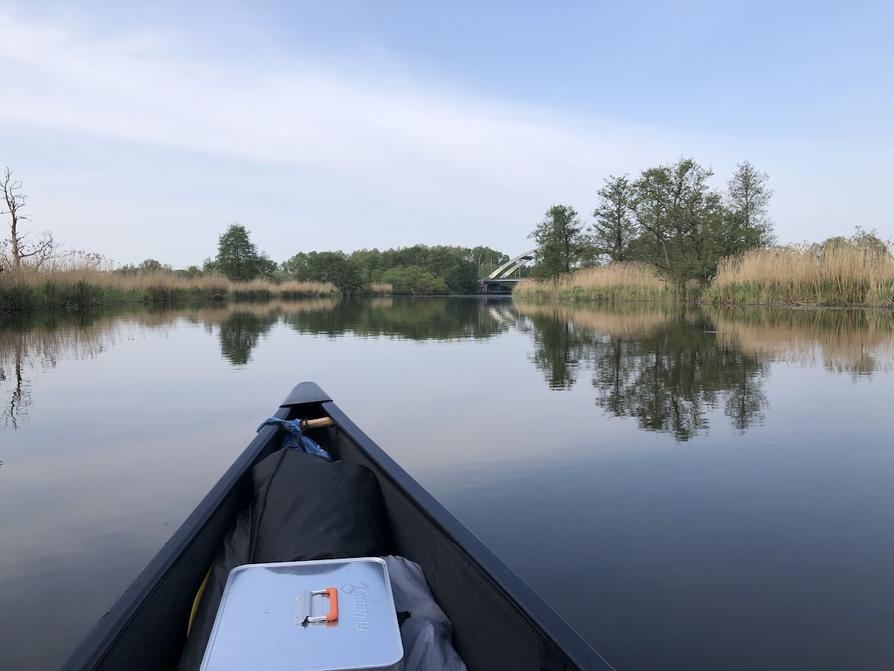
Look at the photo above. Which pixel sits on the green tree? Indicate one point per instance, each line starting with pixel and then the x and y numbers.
pixel 334 267
pixel 153 266
pixel 190 272
pixel 237 256
pixel 414 280
pixel 485 259
pixel 695 215
pixel 651 197
pixel 266 266
pixel 748 196
pixel 559 241
pixel 869 240
pixel 683 225
pixel 614 228
pixel 457 268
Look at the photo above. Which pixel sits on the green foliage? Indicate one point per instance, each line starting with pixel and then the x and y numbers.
pixel 670 216
pixel 861 239
pixel 485 259
pixel 748 198
pixel 238 258
pixel 414 280
pixel 560 242
pixel 190 272
pixel 145 267
pixel 419 269
pixel 457 268
pixel 614 229
pixel 334 267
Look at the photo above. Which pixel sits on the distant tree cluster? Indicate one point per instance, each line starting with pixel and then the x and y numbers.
pixel 668 216
pixel 237 258
pixel 419 269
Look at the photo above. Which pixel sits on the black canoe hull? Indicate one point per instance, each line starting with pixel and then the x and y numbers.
pixel 499 622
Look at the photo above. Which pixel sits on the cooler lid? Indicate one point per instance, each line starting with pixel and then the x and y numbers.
pixel 327 615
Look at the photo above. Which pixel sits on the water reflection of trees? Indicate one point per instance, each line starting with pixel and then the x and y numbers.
pixel 32 343
pixel 671 378
pixel 28 344
pixel 240 332
pixel 409 318
pixel 670 368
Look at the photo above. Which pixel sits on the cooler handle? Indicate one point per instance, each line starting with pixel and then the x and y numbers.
pixel 305 604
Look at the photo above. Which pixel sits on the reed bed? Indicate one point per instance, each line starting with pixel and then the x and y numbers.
pixel 380 289
pixel 613 283
pixel 631 321
pixel 86 287
pixel 844 274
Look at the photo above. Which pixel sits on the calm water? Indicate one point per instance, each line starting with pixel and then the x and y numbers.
pixel 690 490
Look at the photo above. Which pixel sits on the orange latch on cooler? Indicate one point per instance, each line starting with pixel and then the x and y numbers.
pixel 305 616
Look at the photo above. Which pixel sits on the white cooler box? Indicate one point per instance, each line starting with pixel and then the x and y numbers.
pixel 327 615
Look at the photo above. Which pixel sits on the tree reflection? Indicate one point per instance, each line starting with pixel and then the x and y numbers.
pixel 670 368
pixel 12 381
pixel 34 343
pixel 409 318
pixel 240 332
pixel 670 379
pixel 559 348
pixel 666 369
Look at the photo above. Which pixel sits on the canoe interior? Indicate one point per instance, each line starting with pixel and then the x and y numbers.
pixel 498 622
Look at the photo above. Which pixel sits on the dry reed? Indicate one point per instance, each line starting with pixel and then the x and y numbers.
pixel 844 274
pixel 380 289
pixel 82 287
pixel 612 283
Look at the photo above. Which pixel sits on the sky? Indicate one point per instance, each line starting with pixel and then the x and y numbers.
pixel 143 131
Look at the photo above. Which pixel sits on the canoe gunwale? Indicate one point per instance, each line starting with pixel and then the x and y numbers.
pixel 561 647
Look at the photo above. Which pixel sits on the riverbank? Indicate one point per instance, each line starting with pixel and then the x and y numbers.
pixel 842 275
pixel 615 283
pixel 83 288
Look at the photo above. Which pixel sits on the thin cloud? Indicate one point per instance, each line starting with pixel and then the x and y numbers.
pixel 399 138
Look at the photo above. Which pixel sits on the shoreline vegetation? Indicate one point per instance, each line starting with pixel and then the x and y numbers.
pixel 78 288
pixel 842 272
pixel 664 236
pixel 35 274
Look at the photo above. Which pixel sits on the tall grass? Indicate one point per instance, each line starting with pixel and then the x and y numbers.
pixel 841 274
pixel 84 287
pixel 380 289
pixel 613 283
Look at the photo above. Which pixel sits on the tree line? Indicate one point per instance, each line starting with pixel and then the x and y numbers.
pixel 667 215
pixel 420 269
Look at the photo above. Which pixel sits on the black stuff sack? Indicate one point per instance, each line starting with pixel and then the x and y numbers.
pixel 304 507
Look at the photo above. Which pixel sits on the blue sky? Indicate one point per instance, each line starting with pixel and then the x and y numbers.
pixel 143 131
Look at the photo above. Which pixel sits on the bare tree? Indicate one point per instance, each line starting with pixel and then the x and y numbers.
pixel 21 250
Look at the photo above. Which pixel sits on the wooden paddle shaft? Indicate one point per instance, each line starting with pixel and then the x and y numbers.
pixel 316 423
